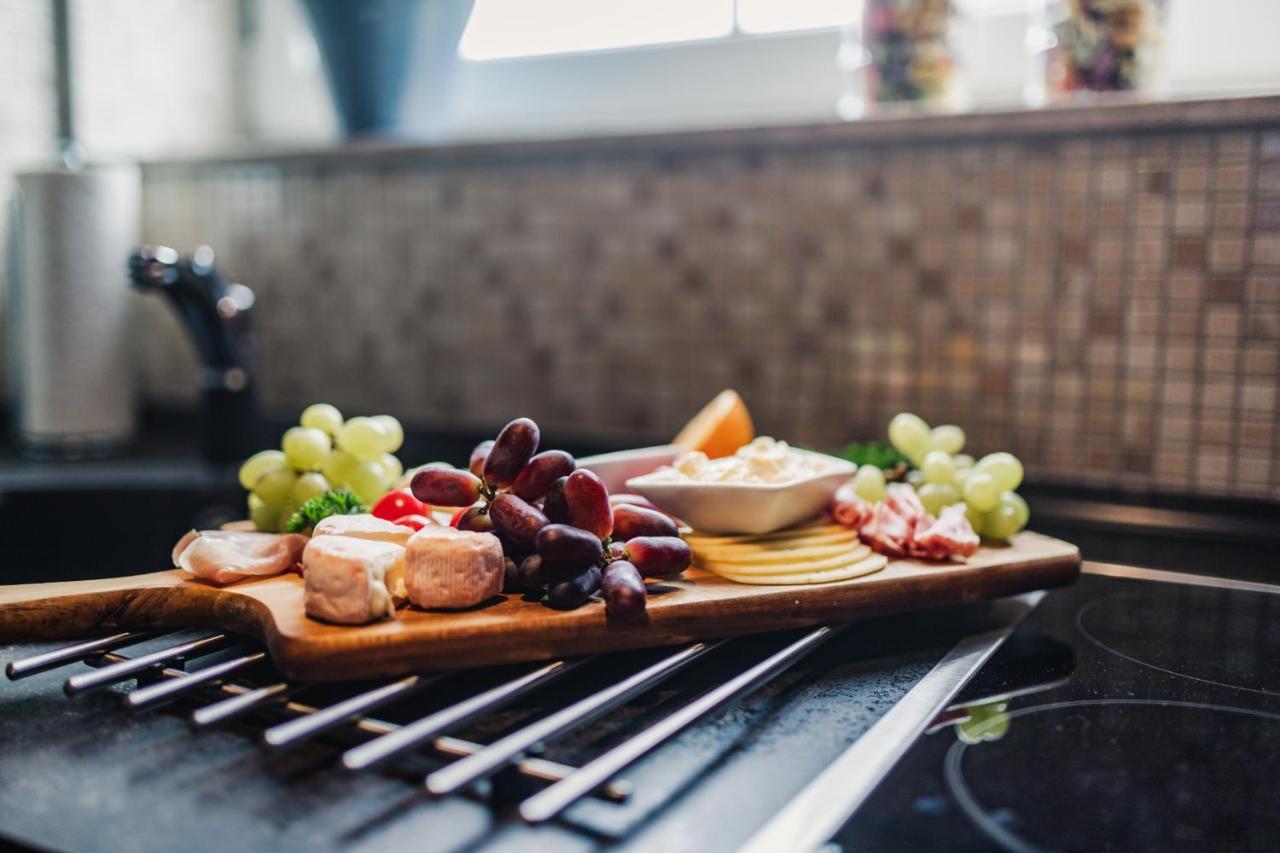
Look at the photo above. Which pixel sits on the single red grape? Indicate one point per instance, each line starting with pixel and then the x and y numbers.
pixel 563 545
pixel 632 520
pixel 475 519
pixel 476 465
pixel 588 503
pixel 571 593
pixel 659 556
pixel 624 590
pixel 511 451
pixel 553 505
pixel 543 470
pixel 517 518
pixel 446 487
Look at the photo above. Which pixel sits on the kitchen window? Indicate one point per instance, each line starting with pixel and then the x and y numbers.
pixel 510 29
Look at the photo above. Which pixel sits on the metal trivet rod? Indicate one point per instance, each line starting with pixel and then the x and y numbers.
pixel 535 768
pixel 169 689
pixel 378 750
pixel 234 706
pixel 550 802
pixel 502 752
pixel 303 728
pixel 71 654
pixel 132 667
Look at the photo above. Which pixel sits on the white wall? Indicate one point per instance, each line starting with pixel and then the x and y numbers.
pixel 1220 47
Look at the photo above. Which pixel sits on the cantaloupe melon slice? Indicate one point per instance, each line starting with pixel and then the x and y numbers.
pixel 719 429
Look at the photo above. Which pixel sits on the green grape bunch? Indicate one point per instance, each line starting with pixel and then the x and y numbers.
pixel 944 476
pixel 322 452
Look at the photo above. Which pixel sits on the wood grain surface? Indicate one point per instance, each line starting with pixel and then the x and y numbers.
pixel 698 606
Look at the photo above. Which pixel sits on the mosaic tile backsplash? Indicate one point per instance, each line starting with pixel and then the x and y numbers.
pixel 1104 304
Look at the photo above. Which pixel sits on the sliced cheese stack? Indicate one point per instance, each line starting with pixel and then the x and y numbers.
pixel 349 580
pixel 809 554
pixel 450 568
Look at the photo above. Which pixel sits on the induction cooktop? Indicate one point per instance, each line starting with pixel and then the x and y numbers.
pixel 1136 710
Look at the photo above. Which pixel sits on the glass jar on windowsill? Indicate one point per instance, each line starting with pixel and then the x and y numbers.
pixel 1095 46
pixel 896 57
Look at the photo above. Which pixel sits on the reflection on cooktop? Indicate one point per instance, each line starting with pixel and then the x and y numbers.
pixel 1164 735
pixel 1218 636
pixel 1139 774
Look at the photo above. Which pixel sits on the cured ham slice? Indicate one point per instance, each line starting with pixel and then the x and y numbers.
pixel 950 536
pixel 849 509
pixel 886 531
pixel 450 568
pixel 899 525
pixel 363 527
pixel 351 581
pixel 902 499
pixel 227 556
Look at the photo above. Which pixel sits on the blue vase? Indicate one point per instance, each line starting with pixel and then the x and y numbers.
pixel 366 46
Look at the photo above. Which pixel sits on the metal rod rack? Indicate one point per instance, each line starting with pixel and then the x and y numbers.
pixel 162 678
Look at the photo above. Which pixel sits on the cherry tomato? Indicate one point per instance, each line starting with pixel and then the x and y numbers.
pixel 417 522
pixel 398 503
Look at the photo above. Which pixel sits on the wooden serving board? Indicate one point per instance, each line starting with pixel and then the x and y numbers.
pixel 696 607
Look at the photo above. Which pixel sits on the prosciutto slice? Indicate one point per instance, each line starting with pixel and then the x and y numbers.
pixel 899 525
pixel 950 536
pixel 886 531
pixel 849 509
pixel 227 556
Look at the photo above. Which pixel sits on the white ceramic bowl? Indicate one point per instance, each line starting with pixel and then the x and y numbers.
pixel 616 468
pixel 746 507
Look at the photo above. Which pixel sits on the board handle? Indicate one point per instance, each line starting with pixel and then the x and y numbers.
pixel 56 611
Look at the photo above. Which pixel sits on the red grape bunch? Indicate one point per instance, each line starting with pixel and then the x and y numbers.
pixel 564 537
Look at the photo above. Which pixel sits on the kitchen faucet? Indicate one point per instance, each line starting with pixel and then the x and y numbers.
pixel 218 317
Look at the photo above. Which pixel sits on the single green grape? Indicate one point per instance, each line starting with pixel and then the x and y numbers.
pixel 308 486
pixel 974 517
pixel 394 432
pixel 1009 516
pixel 915 478
pixel 935 496
pixel 274 486
pixel 369 481
pixel 363 438
pixel 1021 512
pixel 338 467
pixel 980 491
pixel 908 433
pixel 868 483
pixel 937 467
pixel 306 448
pixel 258 464
pixel 948 438
pixel 287 509
pixel 1004 468
pixel 265 518
pixel 323 417
pixel 391 465
pixel 985 723
pixel 962 460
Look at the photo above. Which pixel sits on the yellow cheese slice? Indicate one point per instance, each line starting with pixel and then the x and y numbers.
pixel 782 567
pixel 826 546
pixel 797 560
pixel 779 544
pixel 802 531
pixel 866 566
